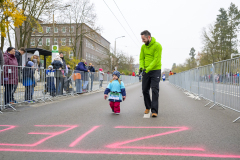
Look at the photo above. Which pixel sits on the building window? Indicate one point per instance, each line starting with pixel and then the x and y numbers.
pixel 55 30
pixel 48 29
pixel 89 56
pixel 63 41
pixel 55 41
pixel 48 41
pixel 40 29
pixel 72 29
pixel 70 42
pixel 40 41
pixel 71 54
pixel 33 42
pixel 63 29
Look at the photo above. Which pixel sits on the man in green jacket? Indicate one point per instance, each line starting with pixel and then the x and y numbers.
pixel 150 66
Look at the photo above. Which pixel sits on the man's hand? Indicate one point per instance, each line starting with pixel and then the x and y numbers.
pixel 124 97
pixel 105 96
pixel 144 72
pixel 140 71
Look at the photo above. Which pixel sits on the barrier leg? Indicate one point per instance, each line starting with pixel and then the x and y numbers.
pixel 207 104
pixel 236 120
pixel 9 105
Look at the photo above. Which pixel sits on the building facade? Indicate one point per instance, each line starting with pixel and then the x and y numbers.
pixel 75 40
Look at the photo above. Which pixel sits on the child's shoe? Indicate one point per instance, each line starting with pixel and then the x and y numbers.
pixel 117 113
pixel 112 110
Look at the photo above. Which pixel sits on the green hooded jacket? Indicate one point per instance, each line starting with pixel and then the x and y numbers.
pixel 150 56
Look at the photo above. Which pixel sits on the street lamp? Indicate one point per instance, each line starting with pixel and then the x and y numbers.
pixel 115 48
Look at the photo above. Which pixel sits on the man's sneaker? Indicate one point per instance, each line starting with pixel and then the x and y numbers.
pixel 154 115
pixel 117 113
pixel 146 111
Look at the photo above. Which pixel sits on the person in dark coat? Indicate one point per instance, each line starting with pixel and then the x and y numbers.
pixel 18 55
pixel 28 81
pixel 65 72
pixel 84 75
pixel 10 76
pixel 58 74
pixel 92 72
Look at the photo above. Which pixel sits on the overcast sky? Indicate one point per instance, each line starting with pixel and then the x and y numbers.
pixel 176 24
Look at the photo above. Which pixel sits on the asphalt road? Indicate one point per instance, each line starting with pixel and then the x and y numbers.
pixel 84 127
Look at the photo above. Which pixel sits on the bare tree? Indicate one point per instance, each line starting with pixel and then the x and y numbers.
pixel 36 12
pixel 82 16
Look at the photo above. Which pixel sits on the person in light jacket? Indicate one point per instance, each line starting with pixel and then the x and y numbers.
pixel 101 74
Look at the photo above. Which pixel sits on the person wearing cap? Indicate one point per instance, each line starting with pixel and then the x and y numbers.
pixel 36 59
pixel 117 92
pixel 50 81
pixel 28 81
pixel 10 74
pixel 150 66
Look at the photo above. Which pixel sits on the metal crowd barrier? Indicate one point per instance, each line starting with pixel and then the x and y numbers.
pixel 219 83
pixel 21 85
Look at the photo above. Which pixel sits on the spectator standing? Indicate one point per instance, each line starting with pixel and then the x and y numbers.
pixel 10 75
pixel 84 75
pixel 57 66
pixel 18 55
pixel 1 58
pixel 92 72
pixel 50 81
pixel 28 81
pixel 101 74
pixel 65 72
pixel 36 61
pixel 133 74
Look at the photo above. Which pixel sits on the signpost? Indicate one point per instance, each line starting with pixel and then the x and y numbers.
pixel 54 52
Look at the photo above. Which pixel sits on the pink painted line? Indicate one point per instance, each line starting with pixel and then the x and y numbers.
pixel 152 127
pixel 83 136
pixel 147 137
pixel 121 153
pixel 44 139
pixel 162 148
pixel 9 127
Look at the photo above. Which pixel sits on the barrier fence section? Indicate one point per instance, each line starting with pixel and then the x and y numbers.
pixel 20 85
pixel 219 83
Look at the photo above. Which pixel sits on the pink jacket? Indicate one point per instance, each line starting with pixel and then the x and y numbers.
pixel 10 72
